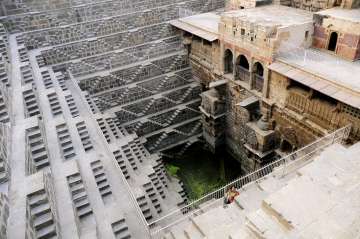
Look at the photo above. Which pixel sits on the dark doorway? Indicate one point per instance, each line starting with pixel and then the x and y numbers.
pixel 228 62
pixel 242 69
pixel 337 3
pixel 286 146
pixel 333 41
pixel 243 62
pixel 258 77
pixel 259 69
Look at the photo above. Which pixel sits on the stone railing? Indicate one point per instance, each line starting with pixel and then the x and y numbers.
pixel 242 74
pixel 258 82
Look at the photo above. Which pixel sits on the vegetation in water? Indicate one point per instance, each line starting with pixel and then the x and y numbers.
pixel 201 171
pixel 172 170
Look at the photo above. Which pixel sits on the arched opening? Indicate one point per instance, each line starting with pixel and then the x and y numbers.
pixel 258 76
pixel 242 69
pixel 243 62
pixel 337 3
pixel 333 41
pixel 228 62
pixel 285 146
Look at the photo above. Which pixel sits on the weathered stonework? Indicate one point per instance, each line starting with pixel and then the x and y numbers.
pixel 346 31
pixel 267 108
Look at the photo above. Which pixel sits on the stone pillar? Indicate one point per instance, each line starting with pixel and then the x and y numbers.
pixel 222 56
pixel 251 80
pixel 266 76
pixel 264 123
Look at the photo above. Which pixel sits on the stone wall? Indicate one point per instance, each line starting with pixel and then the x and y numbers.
pixel 237 132
pixel 348 33
pixel 250 39
pixel 310 114
pixel 204 58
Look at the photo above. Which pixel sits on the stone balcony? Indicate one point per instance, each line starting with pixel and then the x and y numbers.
pixel 212 104
pixel 318 111
pixel 242 74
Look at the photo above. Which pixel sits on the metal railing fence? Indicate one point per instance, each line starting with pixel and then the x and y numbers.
pixel 162 225
pixel 159 227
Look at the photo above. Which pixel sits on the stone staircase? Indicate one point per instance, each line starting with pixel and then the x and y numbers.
pixel 101 179
pixel 173 116
pixel 120 229
pixel 178 59
pixel 113 127
pixel 161 138
pixel 4 114
pixel 41 216
pixel 287 203
pixel 31 103
pixel 196 127
pixel 84 136
pixel 148 106
pixel 79 196
pixel 26 74
pixel 54 104
pixel 65 141
pixel 37 154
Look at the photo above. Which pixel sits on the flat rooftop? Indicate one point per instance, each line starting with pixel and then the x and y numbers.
pixel 352 15
pixel 203 25
pixel 324 72
pixel 206 25
pixel 340 71
pixel 271 15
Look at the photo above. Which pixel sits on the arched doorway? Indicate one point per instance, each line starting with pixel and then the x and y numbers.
pixel 228 62
pixel 285 146
pixel 337 3
pixel 242 69
pixel 258 76
pixel 333 41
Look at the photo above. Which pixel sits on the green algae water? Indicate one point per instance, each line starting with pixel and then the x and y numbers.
pixel 202 171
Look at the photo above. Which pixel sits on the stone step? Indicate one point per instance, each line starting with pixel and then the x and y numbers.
pixel 77 188
pixel 43 221
pixel 250 197
pixel 192 232
pixel 85 211
pixel 37 199
pixel 235 219
pixel 168 236
pixel 216 216
pixel 79 196
pixel 241 233
pixel 354 149
pixel 82 203
pixel 263 225
pixel 41 209
pixel 47 232
pixel 177 232
pixel 283 210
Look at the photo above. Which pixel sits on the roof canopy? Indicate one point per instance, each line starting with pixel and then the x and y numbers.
pixel 202 25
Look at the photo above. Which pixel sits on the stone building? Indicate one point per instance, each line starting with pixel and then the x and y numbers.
pixel 92 91
pixel 290 75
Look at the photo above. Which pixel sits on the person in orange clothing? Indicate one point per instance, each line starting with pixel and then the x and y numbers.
pixel 233 194
pixel 230 195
